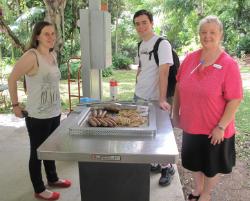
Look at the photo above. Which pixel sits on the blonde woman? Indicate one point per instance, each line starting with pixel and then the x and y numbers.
pixel 207 95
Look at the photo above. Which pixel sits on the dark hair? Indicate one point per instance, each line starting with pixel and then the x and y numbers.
pixel 34 42
pixel 143 12
pixel 36 32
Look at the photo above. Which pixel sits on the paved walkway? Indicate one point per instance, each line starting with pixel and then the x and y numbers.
pixel 15 183
pixel 246 80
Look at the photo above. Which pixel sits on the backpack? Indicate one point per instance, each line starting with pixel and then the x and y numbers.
pixel 172 70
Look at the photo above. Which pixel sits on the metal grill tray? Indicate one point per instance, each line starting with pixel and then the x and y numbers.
pixel 80 126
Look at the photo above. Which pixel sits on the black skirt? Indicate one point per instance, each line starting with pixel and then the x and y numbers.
pixel 198 154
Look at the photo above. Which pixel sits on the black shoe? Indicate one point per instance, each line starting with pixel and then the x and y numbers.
pixel 166 176
pixel 155 168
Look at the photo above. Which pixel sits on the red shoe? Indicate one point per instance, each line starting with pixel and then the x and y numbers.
pixel 61 183
pixel 54 196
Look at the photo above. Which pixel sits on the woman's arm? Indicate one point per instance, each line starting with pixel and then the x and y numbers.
pixel 217 134
pixel 176 108
pixel 24 65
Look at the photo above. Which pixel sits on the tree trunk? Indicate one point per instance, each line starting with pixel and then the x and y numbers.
pixel 116 33
pixel 55 15
pixel 8 31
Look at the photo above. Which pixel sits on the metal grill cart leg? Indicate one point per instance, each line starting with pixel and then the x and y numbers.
pixel 114 181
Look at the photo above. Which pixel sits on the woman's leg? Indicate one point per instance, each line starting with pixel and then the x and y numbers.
pixel 33 127
pixel 39 130
pixel 49 165
pixel 198 183
pixel 209 184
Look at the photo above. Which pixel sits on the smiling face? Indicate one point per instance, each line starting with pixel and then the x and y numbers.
pixel 210 35
pixel 144 27
pixel 47 37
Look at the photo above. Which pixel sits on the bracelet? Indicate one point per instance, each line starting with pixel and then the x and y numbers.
pixel 15 105
pixel 220 127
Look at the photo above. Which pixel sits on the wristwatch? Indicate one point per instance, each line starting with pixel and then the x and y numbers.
pixel 220 127
pixel 15 105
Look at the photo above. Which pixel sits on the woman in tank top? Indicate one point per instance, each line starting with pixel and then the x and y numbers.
pixel 42 113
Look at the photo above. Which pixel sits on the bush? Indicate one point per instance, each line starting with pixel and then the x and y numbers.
pixel 121 62
pixel 107 72
pixel 243 45
pixel 73 70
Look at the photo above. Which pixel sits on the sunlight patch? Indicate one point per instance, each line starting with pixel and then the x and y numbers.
pixel 11 120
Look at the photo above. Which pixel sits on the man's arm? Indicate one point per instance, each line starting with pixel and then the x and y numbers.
pixel 163 86
pixel 137 73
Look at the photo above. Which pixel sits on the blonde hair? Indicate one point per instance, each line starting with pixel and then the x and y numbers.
pixel 210 19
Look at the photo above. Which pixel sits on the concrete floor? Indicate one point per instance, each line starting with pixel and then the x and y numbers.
pixel 15 183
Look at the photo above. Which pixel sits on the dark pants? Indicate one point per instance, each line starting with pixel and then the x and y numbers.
pixel 39 130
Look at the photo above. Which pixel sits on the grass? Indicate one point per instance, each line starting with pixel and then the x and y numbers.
pixel 243 114
pixel 243 128
pixel 126 85
pixel 245 69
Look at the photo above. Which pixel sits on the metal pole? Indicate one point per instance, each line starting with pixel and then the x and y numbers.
pixel 92 79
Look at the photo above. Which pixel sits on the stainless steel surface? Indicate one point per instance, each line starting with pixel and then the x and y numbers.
pixel 96 53
pixel 81 127
pixel 160 148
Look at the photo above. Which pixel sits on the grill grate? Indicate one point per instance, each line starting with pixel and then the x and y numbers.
pixel 81 127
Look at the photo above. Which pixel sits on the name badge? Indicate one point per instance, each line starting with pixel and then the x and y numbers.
pixel 217 66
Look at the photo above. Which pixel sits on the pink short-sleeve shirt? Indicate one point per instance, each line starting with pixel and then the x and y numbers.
pixel 205 92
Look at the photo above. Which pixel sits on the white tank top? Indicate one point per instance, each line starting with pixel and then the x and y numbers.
pixel 43 99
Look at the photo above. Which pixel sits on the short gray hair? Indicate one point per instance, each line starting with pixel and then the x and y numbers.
pixel 210 19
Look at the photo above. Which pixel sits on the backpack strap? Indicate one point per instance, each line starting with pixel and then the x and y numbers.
pixel 155 50
pixel 138 52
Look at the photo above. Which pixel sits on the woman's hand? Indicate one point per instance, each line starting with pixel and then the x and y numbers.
pixel 17 110
pixel 217 136
pixel 175 121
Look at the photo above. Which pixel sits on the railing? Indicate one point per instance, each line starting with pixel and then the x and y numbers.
pixel 70 80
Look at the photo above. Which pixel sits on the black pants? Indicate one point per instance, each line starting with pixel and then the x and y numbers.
pixel 39 130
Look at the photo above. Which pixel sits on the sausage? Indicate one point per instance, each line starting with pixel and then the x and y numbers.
pixel 110 124
pixel 94 113
pixel 104 123
pixel 99 113
pixel 96 120
pixel 92 122
pixel 112 121
pixel 111 117
pixel 104 113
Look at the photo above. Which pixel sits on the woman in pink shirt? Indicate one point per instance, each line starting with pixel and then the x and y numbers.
pixel 208 93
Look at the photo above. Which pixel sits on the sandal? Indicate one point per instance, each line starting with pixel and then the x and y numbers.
pixel 193 197
pixel 54 196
